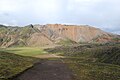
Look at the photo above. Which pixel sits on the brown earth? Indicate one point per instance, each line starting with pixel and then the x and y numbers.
pixel 47 70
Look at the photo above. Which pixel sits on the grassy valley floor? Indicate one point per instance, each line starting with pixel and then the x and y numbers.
pixel 93 63
pixel 16 60
pixel 92 71
pixel 41 65
pixel 25 51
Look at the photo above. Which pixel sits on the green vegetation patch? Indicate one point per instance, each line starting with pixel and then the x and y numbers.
pixel 93 71
pixel 66 42
pixel 12 64
pixel 25 51
pixel 91 62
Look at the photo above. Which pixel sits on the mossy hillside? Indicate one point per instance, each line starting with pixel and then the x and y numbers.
pixel 12 64
pixel 16 35
pixel 91 62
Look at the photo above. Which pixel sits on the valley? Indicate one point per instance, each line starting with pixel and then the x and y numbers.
pixel 80 62
pixel 58 52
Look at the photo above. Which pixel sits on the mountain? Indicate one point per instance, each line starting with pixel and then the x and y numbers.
pixel 51 34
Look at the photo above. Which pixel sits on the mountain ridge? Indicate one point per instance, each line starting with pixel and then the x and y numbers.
pixel 50 34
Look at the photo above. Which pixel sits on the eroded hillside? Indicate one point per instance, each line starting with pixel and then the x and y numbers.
pixel 50 34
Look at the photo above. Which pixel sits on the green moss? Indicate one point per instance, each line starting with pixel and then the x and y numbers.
pixel 12 64
pixel 93 71
pixel 92 62
pixel 66 42
pixel 25 51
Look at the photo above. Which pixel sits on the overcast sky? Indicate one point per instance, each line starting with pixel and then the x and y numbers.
pixel 103 14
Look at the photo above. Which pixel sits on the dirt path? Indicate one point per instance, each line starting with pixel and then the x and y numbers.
pixel 47 70
pixel 48 56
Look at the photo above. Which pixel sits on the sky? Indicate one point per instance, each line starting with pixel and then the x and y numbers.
pixel 103 14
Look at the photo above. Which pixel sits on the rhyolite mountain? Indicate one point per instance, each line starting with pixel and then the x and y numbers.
pixel 51 34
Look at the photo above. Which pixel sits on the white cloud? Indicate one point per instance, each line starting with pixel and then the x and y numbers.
pixel 104 14
pixel 9 5
pixel 46 9
pixel 116 32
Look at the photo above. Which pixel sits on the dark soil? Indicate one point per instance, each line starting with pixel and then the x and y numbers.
pixel 47 70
